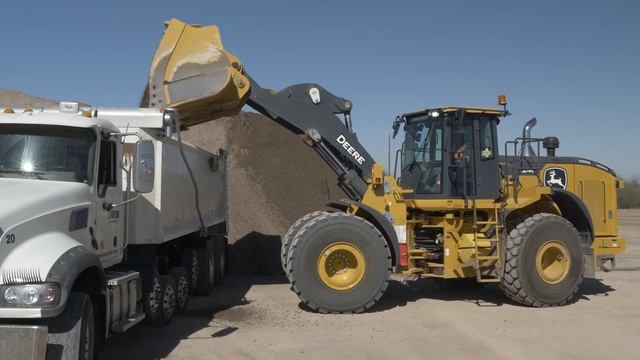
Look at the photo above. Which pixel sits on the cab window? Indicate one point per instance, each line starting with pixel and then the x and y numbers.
pixel 107 170
pixel 422 155
pixel 486 139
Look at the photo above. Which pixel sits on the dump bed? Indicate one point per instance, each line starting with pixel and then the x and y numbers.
pixel 169 211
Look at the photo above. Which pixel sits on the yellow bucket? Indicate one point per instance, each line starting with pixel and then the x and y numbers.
pixel 192 73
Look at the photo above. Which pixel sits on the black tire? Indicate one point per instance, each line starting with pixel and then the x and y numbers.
pixel 314 239
pixel 168 298
pixel 152 302
pixel 220 243
pixel 291 234
pixel 66 339
pixel 206 268
pixel 181 281
pixel 522 282
pixel 189 262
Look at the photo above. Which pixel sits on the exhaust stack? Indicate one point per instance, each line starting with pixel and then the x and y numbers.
pixel 526 149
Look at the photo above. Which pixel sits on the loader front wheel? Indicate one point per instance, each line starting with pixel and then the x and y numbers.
pixel 287 239
pixel 544 262
pixel 339 263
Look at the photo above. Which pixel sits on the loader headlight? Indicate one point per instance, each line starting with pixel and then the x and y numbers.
pixel 30 295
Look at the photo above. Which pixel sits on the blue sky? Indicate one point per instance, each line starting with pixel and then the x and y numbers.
pixel 572 64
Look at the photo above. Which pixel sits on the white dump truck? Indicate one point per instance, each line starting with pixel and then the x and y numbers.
pixel 106 219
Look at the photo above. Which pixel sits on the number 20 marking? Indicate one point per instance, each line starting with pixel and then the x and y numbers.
pixel 11 238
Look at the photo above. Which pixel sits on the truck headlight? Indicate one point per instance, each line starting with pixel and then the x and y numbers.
pixel 30 295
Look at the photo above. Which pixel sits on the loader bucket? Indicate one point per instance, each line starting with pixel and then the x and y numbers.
pixel 192 73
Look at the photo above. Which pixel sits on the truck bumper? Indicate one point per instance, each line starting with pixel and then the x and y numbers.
pixel 23 342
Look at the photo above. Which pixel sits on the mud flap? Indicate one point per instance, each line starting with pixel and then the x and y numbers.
pixel 589 264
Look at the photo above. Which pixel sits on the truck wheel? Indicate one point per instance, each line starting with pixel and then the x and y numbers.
pixel 339 263
pixel 189 261
pixel 291 233
pixel 220 243
pixel 181 281
pixel 168 308
pixel 206 268
pixel 152 302
pixel 72 333
pixel 544 262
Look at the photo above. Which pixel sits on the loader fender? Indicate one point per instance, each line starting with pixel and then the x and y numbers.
pixel 379 221
pixel 574 210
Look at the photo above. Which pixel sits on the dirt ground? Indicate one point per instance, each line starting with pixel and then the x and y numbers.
pixel 260 318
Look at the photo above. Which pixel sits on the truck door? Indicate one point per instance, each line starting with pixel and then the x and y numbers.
pixel 109 226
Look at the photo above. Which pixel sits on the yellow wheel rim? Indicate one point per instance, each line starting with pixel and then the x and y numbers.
pixel 341 266
pixel 553 262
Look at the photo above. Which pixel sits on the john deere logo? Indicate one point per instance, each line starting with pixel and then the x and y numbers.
pixel 556 178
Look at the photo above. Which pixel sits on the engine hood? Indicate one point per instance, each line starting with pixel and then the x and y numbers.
pixel 25 199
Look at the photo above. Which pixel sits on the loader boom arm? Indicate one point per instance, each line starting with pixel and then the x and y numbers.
pixel 334 141
pixel 193 73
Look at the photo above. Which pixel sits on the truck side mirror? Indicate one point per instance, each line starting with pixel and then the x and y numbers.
pixel 143 166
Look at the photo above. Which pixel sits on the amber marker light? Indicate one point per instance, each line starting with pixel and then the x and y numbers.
pixel 502 99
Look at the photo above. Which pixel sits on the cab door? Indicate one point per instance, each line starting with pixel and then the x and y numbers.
pixel 108 233
pixel 487 168
pixel 474 158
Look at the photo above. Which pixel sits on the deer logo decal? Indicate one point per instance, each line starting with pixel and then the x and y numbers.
pixel 555 178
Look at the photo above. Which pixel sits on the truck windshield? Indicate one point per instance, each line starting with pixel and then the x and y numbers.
pixel 422 155
pixel 46 152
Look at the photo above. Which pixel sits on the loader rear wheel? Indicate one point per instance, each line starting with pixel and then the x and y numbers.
pixel 544 262
pixel 291 233
pixel 339 263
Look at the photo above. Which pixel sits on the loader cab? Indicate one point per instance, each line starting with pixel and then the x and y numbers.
pixel 450 153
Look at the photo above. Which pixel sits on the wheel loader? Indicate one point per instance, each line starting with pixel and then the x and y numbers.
pixel 459 207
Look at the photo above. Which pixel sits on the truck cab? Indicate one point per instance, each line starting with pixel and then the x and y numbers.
pixel 101 222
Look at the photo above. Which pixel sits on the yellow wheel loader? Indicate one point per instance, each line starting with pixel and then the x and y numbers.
pixel 455 209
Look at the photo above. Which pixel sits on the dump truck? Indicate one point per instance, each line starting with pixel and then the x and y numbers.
pixel 107 219
pixel 455 210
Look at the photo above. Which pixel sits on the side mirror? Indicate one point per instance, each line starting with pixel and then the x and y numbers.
pixel 143 167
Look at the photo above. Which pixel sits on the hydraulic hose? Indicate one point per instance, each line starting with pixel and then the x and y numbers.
pixel 203 228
